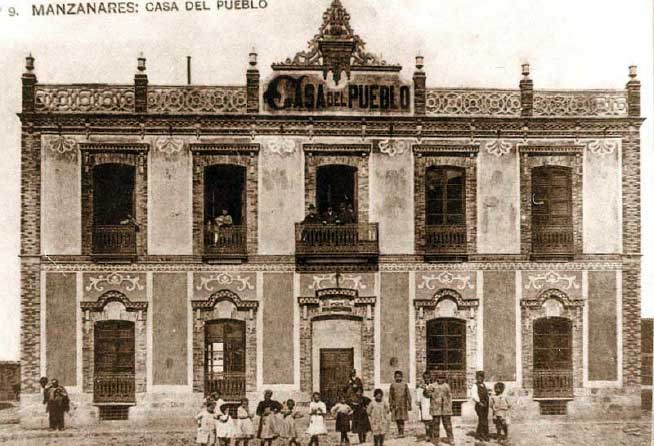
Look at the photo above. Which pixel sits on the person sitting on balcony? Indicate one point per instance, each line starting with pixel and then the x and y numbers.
pixel 130 220
pixel 224 220
pixel 330 217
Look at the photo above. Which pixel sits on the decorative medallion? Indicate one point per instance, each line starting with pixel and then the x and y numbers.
pixel 498 148
pixel 338 280
pixel 169 146
pixel 224 279
pixel 602 147
pixel 114 279
pixel 393 147
pixel 446 278
pixel 63 146
pixel 537 282
pixel 282 146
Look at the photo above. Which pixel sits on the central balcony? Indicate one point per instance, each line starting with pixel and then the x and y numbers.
pixel 225 244
pixel 446 242
pixel 550 241
pixel 114 243
pixel 356 243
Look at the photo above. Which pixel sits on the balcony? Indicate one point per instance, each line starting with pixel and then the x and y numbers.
pixel 114 243
pixel 356 243
pixel 552 242
pixel 553 384
pixel 443 243
pixel 114 388
pixel 225 244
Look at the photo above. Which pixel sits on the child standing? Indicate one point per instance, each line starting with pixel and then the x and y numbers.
pixel 360 420
pixel 317 427
pixel 206 425
pixel 342 412
pixel 244 426
pixel 500 405
pixel 399 399
pixel 288 429
pixel 378 412
pixel 225 430
pixel 481 399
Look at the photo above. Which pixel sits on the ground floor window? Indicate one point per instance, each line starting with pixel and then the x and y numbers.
pixel 446 352
pixel 224 351
pixel 114 380
pixel 553 357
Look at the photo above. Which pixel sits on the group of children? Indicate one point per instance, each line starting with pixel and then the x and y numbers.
pixel 359 415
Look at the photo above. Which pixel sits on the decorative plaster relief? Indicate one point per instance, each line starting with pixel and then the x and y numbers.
pixel 446 278
pixel 537 282
pixel 224 279
pixel 114 280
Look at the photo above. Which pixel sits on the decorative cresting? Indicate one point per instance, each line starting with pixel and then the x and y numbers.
pixel 606 103
pixel 463 102
pixel 444 294
pixel 114 305
pixel 84 99
pixel 336 48
pixel 552 293
pixel 185 99
pixel 225 304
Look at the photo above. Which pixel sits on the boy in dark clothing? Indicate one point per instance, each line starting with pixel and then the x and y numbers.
pixel 480 396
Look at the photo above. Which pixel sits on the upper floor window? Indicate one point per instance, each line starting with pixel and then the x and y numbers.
pixel 445 196
pixel 224 209
pixel 551 210
pixel 336 187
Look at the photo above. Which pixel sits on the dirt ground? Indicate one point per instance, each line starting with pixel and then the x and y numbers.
pixel 546 432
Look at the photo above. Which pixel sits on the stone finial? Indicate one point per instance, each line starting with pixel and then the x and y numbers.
pixel 253 58
pixel 633 92
pixel 141 63
pixel 633 71
pixel 29 63
pixel 525 71
pixel 420 62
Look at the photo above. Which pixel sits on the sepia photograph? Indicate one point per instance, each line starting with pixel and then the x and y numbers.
pixel 326 222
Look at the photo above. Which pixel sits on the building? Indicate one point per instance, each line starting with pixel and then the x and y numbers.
pixel 489 229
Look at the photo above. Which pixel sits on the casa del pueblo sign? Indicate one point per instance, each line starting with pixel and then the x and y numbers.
pixel 336 74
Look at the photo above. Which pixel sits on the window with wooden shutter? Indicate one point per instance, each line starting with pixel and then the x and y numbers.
pixel 551 204
pixel 445 210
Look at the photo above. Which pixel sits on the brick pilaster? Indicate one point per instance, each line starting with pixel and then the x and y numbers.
pixel 419 92
pixel 253 78
pixel 526 93
pixel 141 93
pixel 633 93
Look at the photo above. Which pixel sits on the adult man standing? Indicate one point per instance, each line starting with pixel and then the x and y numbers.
pixel 440 408
pixel 57 404
pixel 424 404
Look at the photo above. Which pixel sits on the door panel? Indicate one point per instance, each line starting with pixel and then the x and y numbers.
pixel 335 368
pixel 114 369
pixel 224 354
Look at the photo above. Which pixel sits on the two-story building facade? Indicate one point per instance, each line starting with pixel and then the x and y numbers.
pixel 179 240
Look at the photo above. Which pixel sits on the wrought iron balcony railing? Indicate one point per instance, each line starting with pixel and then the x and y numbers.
pixel 446 240
pixel 357 239
pixel 553 383
pixel 552 241
pixel 226 242
pixel 114 241
pixel 230 385
pixel 114 388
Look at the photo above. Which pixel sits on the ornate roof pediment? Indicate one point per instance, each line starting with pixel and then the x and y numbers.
pixel 336 48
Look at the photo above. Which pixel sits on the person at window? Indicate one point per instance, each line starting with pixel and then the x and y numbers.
pixel 399 399
pixel 58 404
pixel 267 412
pixel 311 218
pixel 350 215
pixel 211 231
pixel 224 222
pixel 440 397
pixel 480 396
pixel 130 220
pixel 330 217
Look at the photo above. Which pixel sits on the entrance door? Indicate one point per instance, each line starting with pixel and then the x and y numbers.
pixel 336 364
pixel 446 352
pixel 224 359
pixel 553 358
pixel 114 362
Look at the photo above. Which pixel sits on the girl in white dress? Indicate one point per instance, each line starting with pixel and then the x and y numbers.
pixel 317 410
pixel 224 424
pixel 244 426
pixel 206 419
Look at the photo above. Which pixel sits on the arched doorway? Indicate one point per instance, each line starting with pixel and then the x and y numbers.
pixel 114 362
pixel 553 370
pixel 224 358
pixel 446 352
